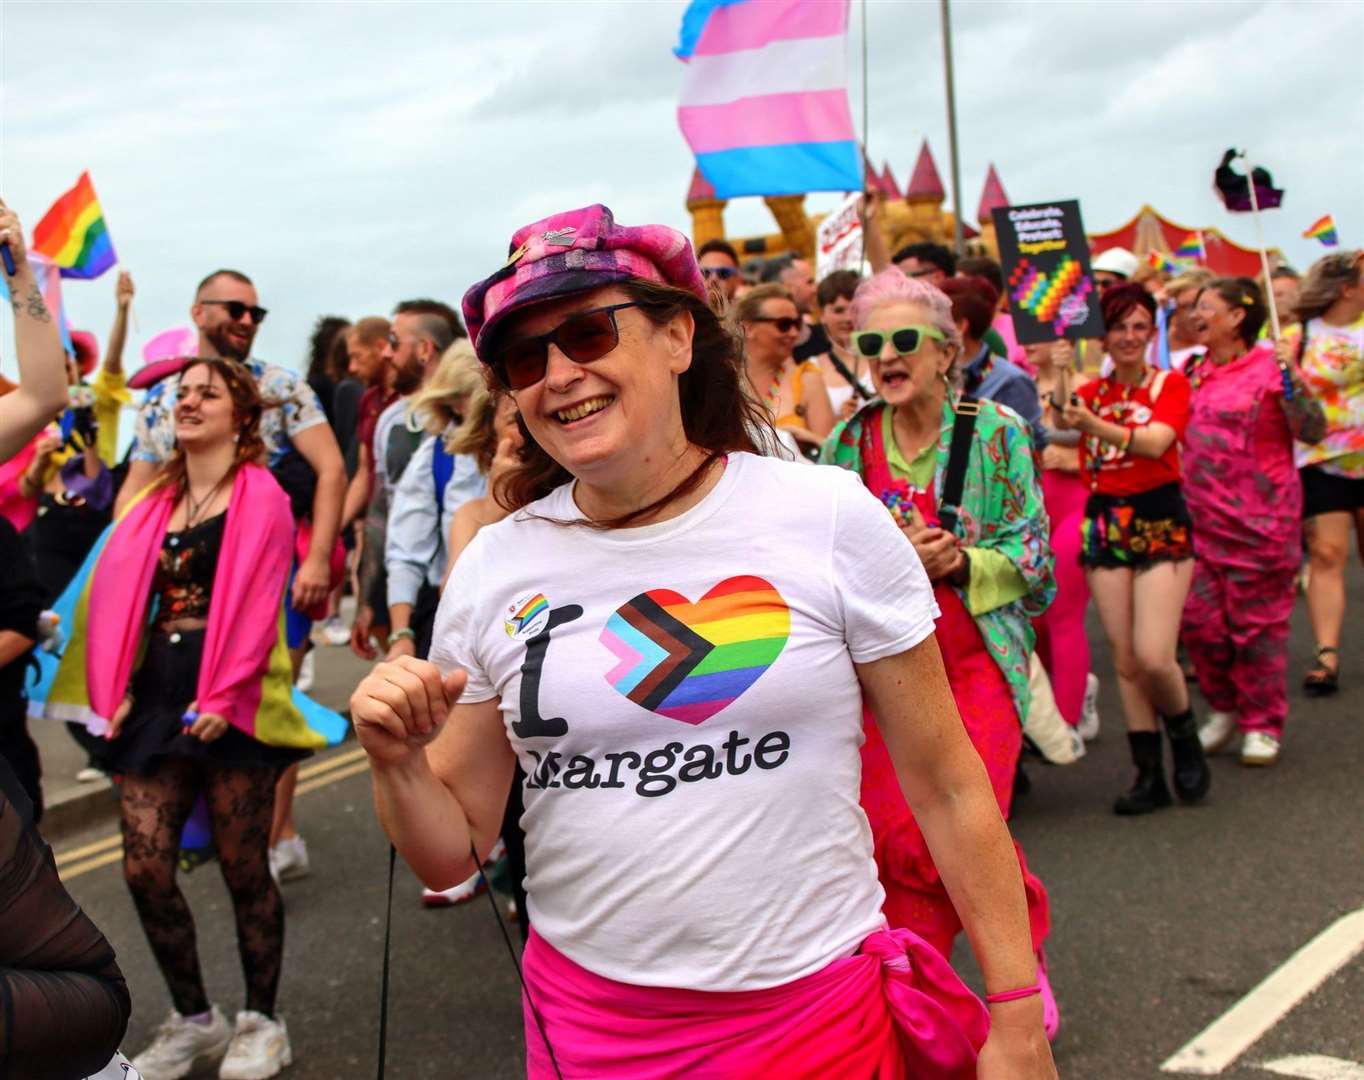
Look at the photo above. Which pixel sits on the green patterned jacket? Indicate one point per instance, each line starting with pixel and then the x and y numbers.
pixel 1001 508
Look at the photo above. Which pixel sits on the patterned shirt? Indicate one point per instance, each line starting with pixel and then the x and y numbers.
pixel 1001 509
pixel 1333 369
pixel 291 407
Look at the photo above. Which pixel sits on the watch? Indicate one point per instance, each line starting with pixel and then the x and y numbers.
pixel 405 632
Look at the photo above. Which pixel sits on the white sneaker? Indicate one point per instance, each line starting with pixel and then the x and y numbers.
pixel 1218 731
pixel 89 775
pixel 335 632
pixel 307 670
pixel 1088 727
pixel 289 860
pixel 1259 748
pixel 181 1045
pixel 259 1049
pixel 467 889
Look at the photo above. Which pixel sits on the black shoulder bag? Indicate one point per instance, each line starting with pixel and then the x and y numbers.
pixel 963 431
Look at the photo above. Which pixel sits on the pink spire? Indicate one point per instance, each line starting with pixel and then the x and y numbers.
pixel 924 183
pixel 992 197
pixel 889 188
pixel 700 189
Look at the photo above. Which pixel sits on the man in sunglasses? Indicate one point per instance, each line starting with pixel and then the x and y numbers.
pixel 720 265
pixel 420 332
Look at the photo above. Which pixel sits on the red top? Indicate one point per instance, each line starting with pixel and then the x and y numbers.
pixel 1162 397
pixel 372 402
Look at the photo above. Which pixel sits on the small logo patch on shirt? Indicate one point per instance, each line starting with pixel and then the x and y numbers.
pixel 527 617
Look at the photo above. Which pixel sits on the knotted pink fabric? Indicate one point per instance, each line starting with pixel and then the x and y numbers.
pixel 894 1009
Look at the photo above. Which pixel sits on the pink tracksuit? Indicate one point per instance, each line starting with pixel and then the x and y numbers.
pixel 1246 501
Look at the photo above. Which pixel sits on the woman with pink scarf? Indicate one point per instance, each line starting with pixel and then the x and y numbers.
pixel 176 655
pixel 673 635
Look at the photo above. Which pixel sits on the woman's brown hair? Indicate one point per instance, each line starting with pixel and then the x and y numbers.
pixel 247 407
pixel 717 415
pixel 1326 279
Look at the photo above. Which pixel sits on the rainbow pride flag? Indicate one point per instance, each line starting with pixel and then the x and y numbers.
pixel 73 234
pixel 1158 260
pixel 1191 247
pixel 764 102
pixel 1323 229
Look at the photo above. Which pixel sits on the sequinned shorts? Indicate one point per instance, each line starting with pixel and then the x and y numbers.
pixel 1136 531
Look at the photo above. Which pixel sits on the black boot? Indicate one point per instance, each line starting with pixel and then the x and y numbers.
pixel 1149 791
pixel 1191 773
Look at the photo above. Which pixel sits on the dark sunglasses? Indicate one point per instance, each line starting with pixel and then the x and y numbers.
pixel 724 273
pixel 583 337
pixel 236 309
pixel 784 323
pixel 905 340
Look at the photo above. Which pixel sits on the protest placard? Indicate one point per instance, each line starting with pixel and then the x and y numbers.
pixel 1045 257
pixel 838 240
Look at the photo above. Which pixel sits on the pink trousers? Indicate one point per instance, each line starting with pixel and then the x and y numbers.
pixel 1236 633
pixel 1062 644
pixel 893 1009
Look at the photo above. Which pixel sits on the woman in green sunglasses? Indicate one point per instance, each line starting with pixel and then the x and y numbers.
pixel 988 556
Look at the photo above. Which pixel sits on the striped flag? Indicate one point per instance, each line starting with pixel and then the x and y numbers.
pixel 764 102
pixel 1192 247
pixel 1323 229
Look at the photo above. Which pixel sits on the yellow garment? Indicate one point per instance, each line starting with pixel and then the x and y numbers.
pixel 795 419
pixel 995 580
pixel 111 394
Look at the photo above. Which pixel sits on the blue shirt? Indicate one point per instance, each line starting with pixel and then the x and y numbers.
pixel 1008 384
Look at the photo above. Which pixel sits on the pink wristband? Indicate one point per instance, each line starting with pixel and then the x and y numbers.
pixel 1013 995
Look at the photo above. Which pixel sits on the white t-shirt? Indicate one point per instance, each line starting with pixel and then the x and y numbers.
pixel 683 699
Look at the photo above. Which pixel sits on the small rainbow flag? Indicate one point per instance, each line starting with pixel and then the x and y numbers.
pixel 1158 260
pixel 73 233
pixel 1323 229
pixel 1191 247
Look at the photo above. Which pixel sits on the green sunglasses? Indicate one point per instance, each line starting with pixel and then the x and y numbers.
pixel 905 340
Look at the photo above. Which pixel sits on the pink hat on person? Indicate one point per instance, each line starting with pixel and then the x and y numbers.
pixel 87 350
pixel 573 252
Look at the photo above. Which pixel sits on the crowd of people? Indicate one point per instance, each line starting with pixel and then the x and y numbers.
pixel 787 573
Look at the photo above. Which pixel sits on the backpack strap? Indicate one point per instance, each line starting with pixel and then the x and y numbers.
pixel 963 431
pixel 442 468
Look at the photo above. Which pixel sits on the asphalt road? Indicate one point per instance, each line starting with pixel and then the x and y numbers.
pixel 1161 924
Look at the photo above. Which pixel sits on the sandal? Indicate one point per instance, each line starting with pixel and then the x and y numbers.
pixel 1323 680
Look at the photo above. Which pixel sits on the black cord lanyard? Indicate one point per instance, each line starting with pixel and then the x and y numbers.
pixel 506 937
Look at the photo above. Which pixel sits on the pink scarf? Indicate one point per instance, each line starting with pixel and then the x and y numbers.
pixel 243 617
pixel 894 1009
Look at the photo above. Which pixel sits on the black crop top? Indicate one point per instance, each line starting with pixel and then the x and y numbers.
pixel 183 582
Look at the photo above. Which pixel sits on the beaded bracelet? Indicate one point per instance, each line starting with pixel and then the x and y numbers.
pixel 1013 995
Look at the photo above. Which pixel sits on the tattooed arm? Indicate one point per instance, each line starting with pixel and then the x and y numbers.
pixel 42 371
pixel 1306 420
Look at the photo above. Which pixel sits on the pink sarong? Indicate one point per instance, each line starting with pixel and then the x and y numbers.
pixel 894 1009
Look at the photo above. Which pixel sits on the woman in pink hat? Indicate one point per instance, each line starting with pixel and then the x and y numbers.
pixel 673 636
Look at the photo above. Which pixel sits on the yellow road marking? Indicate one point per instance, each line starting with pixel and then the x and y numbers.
pixel 92 856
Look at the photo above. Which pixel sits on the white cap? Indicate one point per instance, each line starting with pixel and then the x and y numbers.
pixel 1116 260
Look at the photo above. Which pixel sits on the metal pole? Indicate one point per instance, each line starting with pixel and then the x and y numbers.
pixel 959 240
pixel 1260 240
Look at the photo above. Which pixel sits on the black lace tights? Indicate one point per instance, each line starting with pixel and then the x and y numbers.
pixel 241 803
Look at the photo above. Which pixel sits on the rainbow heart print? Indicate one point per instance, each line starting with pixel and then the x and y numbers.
pixel 687 661
pixel 1050 298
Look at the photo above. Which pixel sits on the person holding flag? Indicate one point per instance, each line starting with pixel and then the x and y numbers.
pixel 41 394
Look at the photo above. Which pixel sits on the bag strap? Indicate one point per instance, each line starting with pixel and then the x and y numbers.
pixel 383 981
pixel 963 431
pixel 442 468
pixel 506 937
pixel 848 377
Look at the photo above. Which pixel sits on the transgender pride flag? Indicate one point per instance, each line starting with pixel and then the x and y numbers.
pixel 765 100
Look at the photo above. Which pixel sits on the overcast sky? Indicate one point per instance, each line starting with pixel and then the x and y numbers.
pixel 349 155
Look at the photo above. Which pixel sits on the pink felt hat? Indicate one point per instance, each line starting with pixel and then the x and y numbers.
pixel 573 252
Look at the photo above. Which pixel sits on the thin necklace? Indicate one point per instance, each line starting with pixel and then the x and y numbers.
pixel 195 509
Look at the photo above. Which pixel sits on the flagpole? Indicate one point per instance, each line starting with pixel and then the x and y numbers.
pixel 1260 240
pixel 959 233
